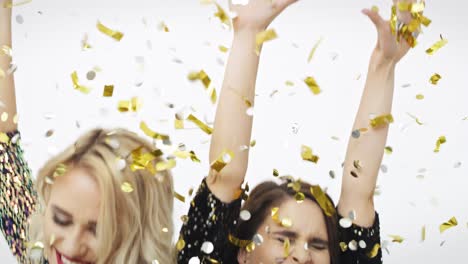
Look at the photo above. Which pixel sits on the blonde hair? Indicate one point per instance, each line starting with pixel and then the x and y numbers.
pixel 132 227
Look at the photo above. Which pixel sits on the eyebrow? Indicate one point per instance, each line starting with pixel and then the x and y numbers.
pixel 294 235
pixel 91 223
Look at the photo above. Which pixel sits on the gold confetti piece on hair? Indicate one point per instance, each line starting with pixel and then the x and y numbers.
pixel 275 173
pixel 250 247
pixel 262 37
pixel 441 140
pixel 306 153
pixel 295 185
pixel 142 161
pixel 286 248
pixel 312 52
pixel 165 165
pixel 109 32
pixel 420 96
pixel 222 15
pixel 223 49
pixel 323 200
pixel 202 76
pixel 60 170
pixel 77 85
pixel 108 91
pixel 224 159
pixel 438 45
pixel 10 4
pixel 6 50
pixel 299 197
pixel 447 225
pixel 435 78
pixel 200 124
pixel 179 197
pixel 126 187
pixel 312 84
pixel 382 120
pixel 374 251
pixel 397 238
pixel 239 242
pixel 180 243
pixel 150 133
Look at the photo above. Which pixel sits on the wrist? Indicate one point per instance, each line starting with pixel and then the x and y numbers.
pixel 379 62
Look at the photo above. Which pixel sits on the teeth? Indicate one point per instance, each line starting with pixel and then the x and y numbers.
pixel 66 261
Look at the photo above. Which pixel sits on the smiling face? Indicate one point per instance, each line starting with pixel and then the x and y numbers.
pixel 307 237
pixel 71 217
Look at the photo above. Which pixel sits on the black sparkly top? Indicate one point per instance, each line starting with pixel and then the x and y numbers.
pixel 212 221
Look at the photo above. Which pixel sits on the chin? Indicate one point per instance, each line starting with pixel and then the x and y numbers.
pixel 59 258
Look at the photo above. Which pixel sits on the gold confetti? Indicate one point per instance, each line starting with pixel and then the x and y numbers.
pixel 312 84
pixel 109 32
pixel 180 244
pixel 213 95
pixel 150 133
pixel 205 128
pixel 423 233
pixel 286 222
pixel 438 45
pixel 375 9
pixel 165 165
pixel 289 83
pixel 357 164
pixel 4 138
pixel 286 248
pixel 382 120
pixel 415 119
pixel 179 197
pixel 108 91
pixel 323 200
pixel 420 96
pixel 374 251
pixel 163 27
pixel 343 246
pixel 202 76
pixel 388 150
pixel 223 49
pixel 134 104
pixel 408 31
pixel 312 52
pixel 397 238
pixel 194 157
pixel 299 197
pixel 253 143
pixel 262 37
pixel 447 225
pixel 239 242
pixel 60 170
pixel 222 15
pixel 306 153
pixel 250 247
pixel 142 161
pixel 224 159
pixel 84 43
pixel 441 140
pixel 77 85
pixel 275 173
pixel 435 78
pixel 126 187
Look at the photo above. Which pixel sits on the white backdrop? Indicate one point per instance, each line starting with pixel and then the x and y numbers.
pixel 153 65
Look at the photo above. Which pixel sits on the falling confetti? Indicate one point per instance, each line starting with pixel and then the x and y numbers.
pixel 312 84
pixel 109 32
pixel 262 37
pixel 447 225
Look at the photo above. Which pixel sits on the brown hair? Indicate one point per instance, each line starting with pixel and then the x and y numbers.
pixel 270 194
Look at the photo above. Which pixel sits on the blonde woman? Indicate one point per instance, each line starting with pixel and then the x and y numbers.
pixel 76 211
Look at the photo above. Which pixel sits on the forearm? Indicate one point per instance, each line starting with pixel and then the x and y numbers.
pixel 232 127
pixel 357 192
pixel 7 90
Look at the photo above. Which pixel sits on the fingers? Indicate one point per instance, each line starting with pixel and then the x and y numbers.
pixel 374 17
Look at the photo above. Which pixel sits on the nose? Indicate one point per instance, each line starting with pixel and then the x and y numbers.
pixel 74 244
pixel 301 255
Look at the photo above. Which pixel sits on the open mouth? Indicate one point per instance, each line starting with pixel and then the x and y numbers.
pixel 64 260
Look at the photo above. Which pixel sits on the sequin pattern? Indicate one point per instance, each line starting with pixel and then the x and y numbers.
pixel 210 220
pixel 17 196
